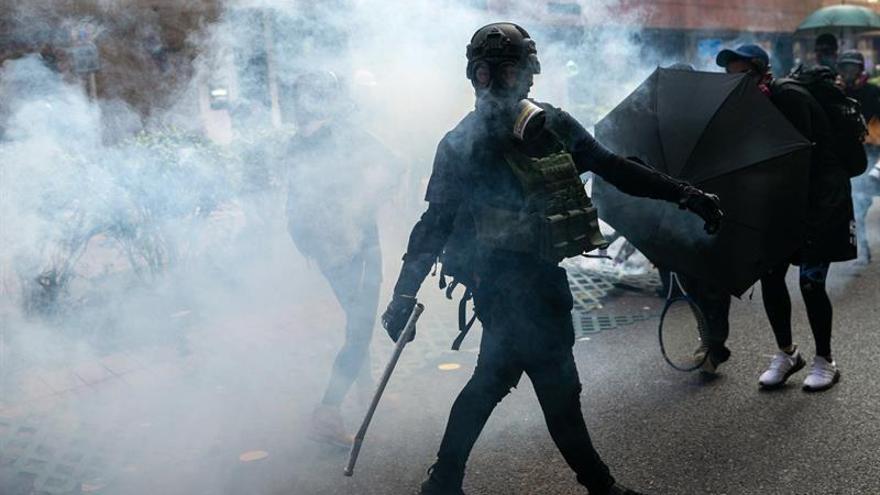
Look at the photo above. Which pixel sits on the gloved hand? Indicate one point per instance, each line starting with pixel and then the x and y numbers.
pixel 397 314
pixel 706 205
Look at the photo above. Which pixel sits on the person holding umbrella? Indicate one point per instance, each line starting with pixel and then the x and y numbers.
pixel 687 122
pixel 829 237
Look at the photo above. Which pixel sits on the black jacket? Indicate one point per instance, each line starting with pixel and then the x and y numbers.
pixel 469 166
pixel 830 230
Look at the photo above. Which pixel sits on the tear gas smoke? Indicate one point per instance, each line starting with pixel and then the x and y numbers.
pixel 149 245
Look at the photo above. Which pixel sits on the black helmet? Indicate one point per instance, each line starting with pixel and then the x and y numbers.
pixel 502 42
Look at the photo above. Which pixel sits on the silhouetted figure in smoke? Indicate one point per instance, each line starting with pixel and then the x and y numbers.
pixel 338 176
pixel 505 206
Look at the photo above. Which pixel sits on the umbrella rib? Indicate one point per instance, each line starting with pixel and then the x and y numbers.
pixel 787 151
pixel 708 122
pixel 656 117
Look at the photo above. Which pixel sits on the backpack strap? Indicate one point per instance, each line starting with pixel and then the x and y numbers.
pixel 464 325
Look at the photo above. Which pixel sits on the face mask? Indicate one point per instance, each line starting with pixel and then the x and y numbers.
pixel 761 79
pixel 851 74
pixel 764 81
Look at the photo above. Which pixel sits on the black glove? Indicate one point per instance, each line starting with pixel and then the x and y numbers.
pixel 706 205
pixel 397 314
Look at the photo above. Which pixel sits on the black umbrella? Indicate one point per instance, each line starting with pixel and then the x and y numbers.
pixel 718 132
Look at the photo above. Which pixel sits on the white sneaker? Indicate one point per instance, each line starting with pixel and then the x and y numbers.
pixel 823 375
pixel 781 367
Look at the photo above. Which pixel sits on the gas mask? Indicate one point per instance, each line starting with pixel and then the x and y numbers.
pixel 502 90
pixel 851 74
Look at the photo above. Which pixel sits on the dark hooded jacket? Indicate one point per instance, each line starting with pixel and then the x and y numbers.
pixel 831 228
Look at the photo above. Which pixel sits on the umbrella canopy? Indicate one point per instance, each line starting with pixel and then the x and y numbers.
pixel 854 17
pixel 720 133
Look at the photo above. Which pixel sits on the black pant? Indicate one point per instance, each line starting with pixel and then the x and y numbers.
pixel 714 303
pixel 526 328
pixel 356 284
pixel 777 303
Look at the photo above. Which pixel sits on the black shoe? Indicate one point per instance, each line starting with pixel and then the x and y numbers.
pixel 432 487
pixel 440 484
pixel 711 359
pixel 619 489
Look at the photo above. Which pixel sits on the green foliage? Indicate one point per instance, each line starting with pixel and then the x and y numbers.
pixel 148 194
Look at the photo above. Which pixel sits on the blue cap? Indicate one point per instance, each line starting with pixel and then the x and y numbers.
pixel 743 52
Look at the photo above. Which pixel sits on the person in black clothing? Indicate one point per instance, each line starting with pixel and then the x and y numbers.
pixel 336 179
pixel 829 232
pixel 851 66
pixel 505 196
pixel 713 302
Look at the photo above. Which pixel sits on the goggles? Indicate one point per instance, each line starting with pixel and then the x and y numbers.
pixel 505 75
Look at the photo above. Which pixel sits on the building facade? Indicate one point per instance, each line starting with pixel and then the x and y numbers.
pixel 693 30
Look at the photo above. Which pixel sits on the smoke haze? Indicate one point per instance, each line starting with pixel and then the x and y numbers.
pixel 153 305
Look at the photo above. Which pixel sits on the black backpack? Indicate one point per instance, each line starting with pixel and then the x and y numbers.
pixel 844 114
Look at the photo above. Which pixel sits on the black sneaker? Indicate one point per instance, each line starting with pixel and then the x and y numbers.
pixel 619 489
pixel 437 484
pixel 710 359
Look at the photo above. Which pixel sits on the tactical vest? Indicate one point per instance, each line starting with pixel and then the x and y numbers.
pixel 557 219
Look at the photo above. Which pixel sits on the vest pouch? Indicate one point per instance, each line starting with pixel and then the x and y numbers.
pixel 570 234
pixel 557 219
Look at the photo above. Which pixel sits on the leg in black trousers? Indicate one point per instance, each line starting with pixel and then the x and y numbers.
pixel 558 389
pixel 819 310
pixel 529 330
pixel 777 304
pixel 356 286
pixel 715 305
pixel 495 375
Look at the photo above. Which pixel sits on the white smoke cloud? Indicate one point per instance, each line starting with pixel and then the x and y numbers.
pixel 137 231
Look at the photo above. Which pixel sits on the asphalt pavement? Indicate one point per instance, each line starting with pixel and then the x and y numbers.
pixel 228 412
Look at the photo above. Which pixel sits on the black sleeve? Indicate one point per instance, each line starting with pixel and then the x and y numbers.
pixel 445 185
pixel 429 235
pixel 426 241
pixel 627 175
